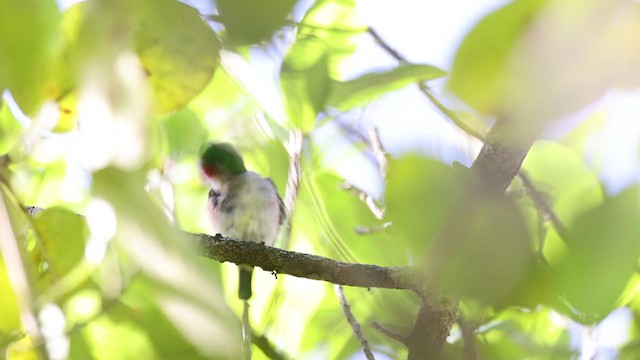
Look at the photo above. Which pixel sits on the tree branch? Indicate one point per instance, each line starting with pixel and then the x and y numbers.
pixel 263 343
pixel 390 334
pixel 501 156
pixel 355 325
pixel 543 205
pixel 310 266
pixel 425 90
pixel 432 326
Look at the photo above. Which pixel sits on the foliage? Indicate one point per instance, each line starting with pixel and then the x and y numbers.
pixel 107 103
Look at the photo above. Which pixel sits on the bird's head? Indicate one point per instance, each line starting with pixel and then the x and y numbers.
pixel 220 160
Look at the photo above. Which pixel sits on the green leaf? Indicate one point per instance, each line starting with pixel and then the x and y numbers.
pixel 488 253
pixel 305 82
pixel 472 244
pixel 184 132
pixel 478 73
pixel 563 179
pixel 603 255
pixel 420 196
pixel 179 284
pixel 137 326
pixel 63 234
pixel 10 129
pixel 326 36
pixel 10 314
pixel 514 332
pixel 517 63
pixel 565 182
pixel 107 338
pixel 178 50
pixel 346 95
pixel 340 215
pixel 27 30
pixel 252 21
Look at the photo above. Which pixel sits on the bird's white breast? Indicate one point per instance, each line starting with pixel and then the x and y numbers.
pixel 248 209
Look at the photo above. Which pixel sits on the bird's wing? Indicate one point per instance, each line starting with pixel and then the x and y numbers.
pixel 283 209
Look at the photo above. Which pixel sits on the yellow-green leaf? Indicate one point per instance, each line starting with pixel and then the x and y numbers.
pixel 252 21
pixel 326 36
pixel 63 234
pixel 346 95
pixel 479 69
pixel 603 252
pixel 178 49
pixel 10 314
pixel 27 30
pixel 10 128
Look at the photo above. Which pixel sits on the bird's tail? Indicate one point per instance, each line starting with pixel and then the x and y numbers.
pixel 244 285
pixel 244 293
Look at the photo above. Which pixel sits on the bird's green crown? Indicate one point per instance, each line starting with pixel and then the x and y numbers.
pixel 220 159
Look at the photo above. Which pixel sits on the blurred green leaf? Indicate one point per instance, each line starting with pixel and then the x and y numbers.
pixel 565 182
pixel 341 214
pixel 517 62
pixel 252 21
pixel 24 349
pixel 327 319
pixel 137 327
pixel 10 128
pixel 478 73
pixel 305 82
pixel 184 289
pixel 63 234
pixel 602 256
pixel 178 50
pixel 125 338
pixel 346 95
pixel 563 179
pixel 326 35
pixel 488 253
pixel 420 196
pixel 79 347
pixel 27 30
pixel 10 314
pixel 184 132
pixel 176 47
pixel 524 334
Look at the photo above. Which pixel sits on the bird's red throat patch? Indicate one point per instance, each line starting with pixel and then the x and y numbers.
pixel 210 172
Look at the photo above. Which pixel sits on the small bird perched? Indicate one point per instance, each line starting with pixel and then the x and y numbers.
pixel 242 204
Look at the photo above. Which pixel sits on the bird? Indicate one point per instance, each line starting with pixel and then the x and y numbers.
pixel 242 204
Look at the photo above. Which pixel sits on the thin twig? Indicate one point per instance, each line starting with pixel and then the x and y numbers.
pixel 467 336
pixel 361 230
pixel 390 334
pixel 267 348
pixel 424 88
pixel 355 326
pixel 376 208
pixel 543 205
pixel 294 148
pixel 379 151
pixel 385 46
